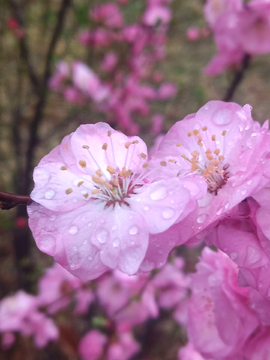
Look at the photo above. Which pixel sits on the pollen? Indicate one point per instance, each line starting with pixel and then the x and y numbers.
pixel 86 195
pixel 216 151
pixel 99 173
pixel 86 147
pixel 143 156
pixel 163 163
pixel 196 132
pixel 82 163
pixel 204 128
pixel 104 146
pixel 179 144
pixel 109 133
pixel 96 191
pixel 135 142
pixel 111 170
pixel 115 182
pixel 172 161
pixel 68 191
pixel 190 134
pixel 145 165
pixel 80 183
pixel 63 168
pixel 127 145
pixel 213 137
pixel 109 186
pixel 224 132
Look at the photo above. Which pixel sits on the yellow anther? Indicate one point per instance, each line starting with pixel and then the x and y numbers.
pixel 99 173
pixel 172 161
pixel 96 191
pixel 208 151
pixel 212 183
pixel 195 153
pixel 104 146
pixel 85 146
pixel 210 169
pixel 143 156
pixel 216 151
pixel 145 165
pixel 96 179
pixel 224 132
pixel 215 163
pixel 123 172
pixel 209 157
pixel 82 163
pixel 63 168
pixel 111 170
pixel 204 128
pixel 184 156
pixel 213 137
pixel 115 182
pixel 163 163
pixel 200 143
pixel 179 144
pixel 221 157
pixel 190 134
pixel 127 145
pixel 109 186
pixel 220 172
pixel 135 142
pixel 199 138
pixel 196 132
pixel 80 183
pixel 194 161
pixel 69 191
pixel 109 133
pixel 194 167
pixel 114 191
pixel 86 195
pixel 129 172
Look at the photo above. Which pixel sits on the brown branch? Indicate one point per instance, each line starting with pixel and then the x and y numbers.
pixel 9 201
pixel 33 140
pixel 238 77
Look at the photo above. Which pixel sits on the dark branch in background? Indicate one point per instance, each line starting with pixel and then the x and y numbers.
pixel 33 140
pixel 24 50
pixel 9 201
pixel 238 77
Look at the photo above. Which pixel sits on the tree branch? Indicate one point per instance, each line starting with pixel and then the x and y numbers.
pixel 238 77
pixel 9 201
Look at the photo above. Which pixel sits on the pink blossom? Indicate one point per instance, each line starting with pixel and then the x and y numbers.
pixel 91 201
pixel 166 91
pixel 193 33
pixel 258 348
pixel 189 353
pixel 213 9
pixel 220 320
pixel 124 349
pixel 108 13
pixel 109 62
pixel 224 137
pixel 91 345
pixel 156 13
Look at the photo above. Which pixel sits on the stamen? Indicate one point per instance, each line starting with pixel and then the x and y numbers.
pixel 163 163
pixel 208 151
pixel 96 191
pixel 172 161
pixel 82 163
pixel 80 183
pixel 204 128
pixel 224 132
pixel 190 134
pixel 179 144
pixel 86 195
pixel 127 145
pixel 104 146
pixel 145 165
pixel 85 146
pixel 143 155
pixel 196 132
pixel 68 191
pixel 63 168
pixel 216 151
pixel 111 170
pixel 221 157
pixel 213 137
pixel 109 186
pixel 115 182
pixel 99 173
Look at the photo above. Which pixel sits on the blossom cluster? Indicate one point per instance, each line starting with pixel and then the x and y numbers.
pixel 126 81
pixel 122 302
pixel 240 29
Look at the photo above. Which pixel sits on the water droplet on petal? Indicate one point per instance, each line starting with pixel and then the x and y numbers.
pixel 222 117
pixel 168 213
pixel 75 200
pixel 219 212
pixel 84 241
pixel 243 192
pixel 116 243
pixel 90 258
pixel 72 266
pixel 89 224
pixel 49 194
pixel 233 255
pixel 73 230
pixel 201 219
pixel 160 251
pixel 249 182
pixel 133 230
pixel 102 235
pixel 114 227
pixel 52 217
pixel 75 248
pixel 159 194
pixel 253 255
pixel 146 208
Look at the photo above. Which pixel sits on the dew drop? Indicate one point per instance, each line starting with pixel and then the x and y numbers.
pixel 159 194
pixel 243 192
pixel 233 255
pixel 75 248
pixel 75 200
pixel 114 227
pixel 133 230
pixel 102 235
pixel 168 213
pixel 201 219
pixel 49 194
pixel 72 266
pixel 84 241
pixel 146 208
pixel 73 230
pixel 249 182
pixel 52 217
pixel 116 243
pixel 160 251
pixel 222 117
pixel 90 258
pixel 89 224
pixel 253 255
pixel 83 218
pixel 219 212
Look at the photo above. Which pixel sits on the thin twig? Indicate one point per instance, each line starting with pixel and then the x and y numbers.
pixel 9 201
pixel 238 77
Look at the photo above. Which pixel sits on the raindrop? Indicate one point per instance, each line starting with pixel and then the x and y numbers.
pixel 160 251
pixel 133 230
pixel 73 230
pixel 49 194
pixel 84 241
pixel 233 255
pixel 222 117
pixel 90 258
pixel 75 248
pixel 52 217
pixel 72 266
pixel 243 192
pixel 219 212
pixel 89 224
pixel 201 219
pixel 168 213
pixel 75 200
pixel 102 235
pixel 146 208
pixel 114 227
pixel 253 255
pixel 159 194
pixel 116 242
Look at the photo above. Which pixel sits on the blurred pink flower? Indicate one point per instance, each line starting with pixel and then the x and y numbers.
pixel 109 62
pixel 193 33
pixel 156 13
pixel 166 91
pixel 189 353
pixel 91 345
pixel 213 9
pixel 108 13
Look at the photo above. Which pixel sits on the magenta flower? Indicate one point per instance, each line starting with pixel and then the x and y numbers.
pixel 222 144
pixel 93 206
pixel 213 9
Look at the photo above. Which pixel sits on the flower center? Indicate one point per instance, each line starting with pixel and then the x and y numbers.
pixel 208 158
